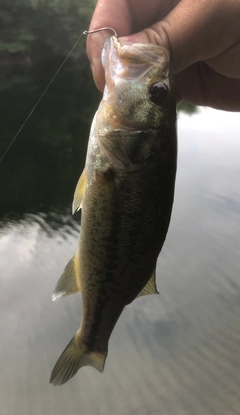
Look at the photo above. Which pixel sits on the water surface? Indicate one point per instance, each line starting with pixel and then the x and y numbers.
pixel 172 354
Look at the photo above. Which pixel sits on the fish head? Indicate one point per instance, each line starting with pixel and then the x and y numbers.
pixel 139 92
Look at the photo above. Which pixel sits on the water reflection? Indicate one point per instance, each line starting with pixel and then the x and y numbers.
pixel 172 354
pixel 52 222
pixel 40 171
pixel 176 353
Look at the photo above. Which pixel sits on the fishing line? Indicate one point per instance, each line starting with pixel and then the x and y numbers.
pixel 86 32
pixel 40 98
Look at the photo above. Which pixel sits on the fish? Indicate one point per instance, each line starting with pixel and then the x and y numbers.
pixel 125 193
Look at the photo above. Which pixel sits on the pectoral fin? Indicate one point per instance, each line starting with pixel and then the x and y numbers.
pixel 79 193
pixel 150 287
pixel 69 282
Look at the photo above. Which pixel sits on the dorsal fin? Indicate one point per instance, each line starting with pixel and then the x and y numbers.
pixel 79 193
pixel 150 287
pixel 69 282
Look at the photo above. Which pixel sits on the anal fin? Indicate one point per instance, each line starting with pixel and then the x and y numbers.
pixel 150 287
pixel 69 282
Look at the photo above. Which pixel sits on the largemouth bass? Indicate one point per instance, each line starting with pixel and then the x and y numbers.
pixel 126 194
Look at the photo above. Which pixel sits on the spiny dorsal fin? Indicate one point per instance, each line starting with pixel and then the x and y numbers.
pixel 69 282
pixel 79 193
pixel 150 287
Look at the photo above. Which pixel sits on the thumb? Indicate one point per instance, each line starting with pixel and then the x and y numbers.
pixel 105 15
pixel 94 47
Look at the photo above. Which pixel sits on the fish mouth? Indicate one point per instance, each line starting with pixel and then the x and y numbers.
pixel 133 60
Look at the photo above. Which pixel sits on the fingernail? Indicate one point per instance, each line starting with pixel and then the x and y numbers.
pixel 97 73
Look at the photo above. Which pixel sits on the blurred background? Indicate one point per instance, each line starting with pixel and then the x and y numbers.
pixel 172 354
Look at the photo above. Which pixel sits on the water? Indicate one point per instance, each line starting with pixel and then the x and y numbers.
pixel 172 354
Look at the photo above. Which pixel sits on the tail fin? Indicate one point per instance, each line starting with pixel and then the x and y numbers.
pixel 74 356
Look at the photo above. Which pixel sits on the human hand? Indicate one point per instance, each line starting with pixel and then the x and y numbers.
pixel 203 38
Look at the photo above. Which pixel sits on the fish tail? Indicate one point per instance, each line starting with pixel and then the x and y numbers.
pixel 73 357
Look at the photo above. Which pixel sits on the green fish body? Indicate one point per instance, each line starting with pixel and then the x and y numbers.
pixel 126 194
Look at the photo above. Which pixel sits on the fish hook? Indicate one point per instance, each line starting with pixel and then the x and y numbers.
pixel 88 32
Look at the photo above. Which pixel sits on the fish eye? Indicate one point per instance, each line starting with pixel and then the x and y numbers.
pixel 158 91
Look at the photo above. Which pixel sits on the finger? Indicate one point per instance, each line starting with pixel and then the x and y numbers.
pixel 195 31
pixel 200 85
pixel 227 63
